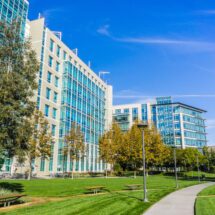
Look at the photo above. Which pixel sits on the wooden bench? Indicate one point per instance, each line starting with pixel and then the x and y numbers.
pixel 133 186
pixel 8 199
pixel 95 189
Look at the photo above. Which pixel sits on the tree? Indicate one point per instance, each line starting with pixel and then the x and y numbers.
pixel 40 140
pixel 156 152
pixel 18 70
pixel 109 146
pixel 209 154
pixel 74 147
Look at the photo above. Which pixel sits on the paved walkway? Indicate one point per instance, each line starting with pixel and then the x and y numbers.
pixel 180 202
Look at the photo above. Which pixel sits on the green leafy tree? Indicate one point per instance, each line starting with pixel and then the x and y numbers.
pixel 109 146
pixel 156 152
pixel 39 142
pixel 18 70
pixel 209 154
pixel 74 147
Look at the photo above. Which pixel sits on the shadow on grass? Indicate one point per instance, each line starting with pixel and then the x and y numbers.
pixel 124 194
pixel 13 187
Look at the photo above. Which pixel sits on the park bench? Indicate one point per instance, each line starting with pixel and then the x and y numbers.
pixel 8 199
pixel 133 186
pixel 95 189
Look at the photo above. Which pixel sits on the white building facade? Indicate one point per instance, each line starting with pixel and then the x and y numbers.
pixel 69 91
pixel 179 124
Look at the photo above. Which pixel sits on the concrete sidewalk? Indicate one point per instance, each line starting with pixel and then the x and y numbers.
pixel 180 202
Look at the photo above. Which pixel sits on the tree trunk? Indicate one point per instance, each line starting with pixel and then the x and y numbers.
pixel 135 173
pixel 106 171
pixel 68 162
pixel 73 168
pixel 30 169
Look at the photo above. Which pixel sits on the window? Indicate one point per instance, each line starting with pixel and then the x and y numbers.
pixel 64 55
pixel 46 110
pixel 48 93
pixel 54 113
pixel 51 47
pixel 50 61
pixel 58 51
pixel 55 97
pixel 57 66
pixel 49 77
pixel 56 83
pixel 53 130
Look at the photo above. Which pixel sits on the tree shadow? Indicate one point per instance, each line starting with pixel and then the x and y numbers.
pixel 13 187
pixel 124 194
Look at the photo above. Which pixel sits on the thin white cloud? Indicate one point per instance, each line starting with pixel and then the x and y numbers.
pixel 137 95
pixel 206 12
pixel 104 30
pixel 50 13
pixel 192 45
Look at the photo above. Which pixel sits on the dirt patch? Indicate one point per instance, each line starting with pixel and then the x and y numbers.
pixel 31 201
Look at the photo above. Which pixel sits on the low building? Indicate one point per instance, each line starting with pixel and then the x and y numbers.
pixel 179 124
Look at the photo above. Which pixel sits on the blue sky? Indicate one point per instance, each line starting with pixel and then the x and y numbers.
pixel 150 47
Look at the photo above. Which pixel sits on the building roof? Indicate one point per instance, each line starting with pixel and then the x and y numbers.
pixel 184 105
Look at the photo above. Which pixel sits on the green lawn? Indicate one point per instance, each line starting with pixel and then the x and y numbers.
pixel 115 201
pixel 205 203
pixel 195 174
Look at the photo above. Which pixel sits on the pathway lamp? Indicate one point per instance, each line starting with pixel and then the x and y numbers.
pixel 142 126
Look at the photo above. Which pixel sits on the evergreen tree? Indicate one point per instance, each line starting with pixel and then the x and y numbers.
pixel 18 69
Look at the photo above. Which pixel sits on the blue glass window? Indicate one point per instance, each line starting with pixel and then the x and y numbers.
pixel 64 55
pixel 57 66
pixel 51 47
pixel 54 113
pixel 48 93
pixel 47 110
pixel 55 97
pixel 56 81
pixel 49 77
pixel 50 61
pixel 58 51
pixel 53 130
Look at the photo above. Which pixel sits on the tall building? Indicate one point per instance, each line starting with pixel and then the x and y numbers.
pixel 15 10
pixel 179 124
pixel 69 91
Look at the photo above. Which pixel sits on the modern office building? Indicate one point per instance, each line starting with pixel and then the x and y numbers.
pixel 69 91
pixel 15 10
pixel 179 124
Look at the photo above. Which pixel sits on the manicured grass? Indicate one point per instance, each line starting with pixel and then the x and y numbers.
pixel 112 203
pixel 116 200
pixel 68 187
pixel 195 174
pixel 205 203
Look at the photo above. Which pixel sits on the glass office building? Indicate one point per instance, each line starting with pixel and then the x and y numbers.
pixel 15 10
pixel 82 102
pixel 179 124
pixel 69 91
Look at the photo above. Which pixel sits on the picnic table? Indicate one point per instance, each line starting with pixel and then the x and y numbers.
pixel 133 186
pixel 95 189
pixel 6 200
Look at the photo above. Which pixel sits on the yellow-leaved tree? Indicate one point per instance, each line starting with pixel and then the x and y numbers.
pixel 74 147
